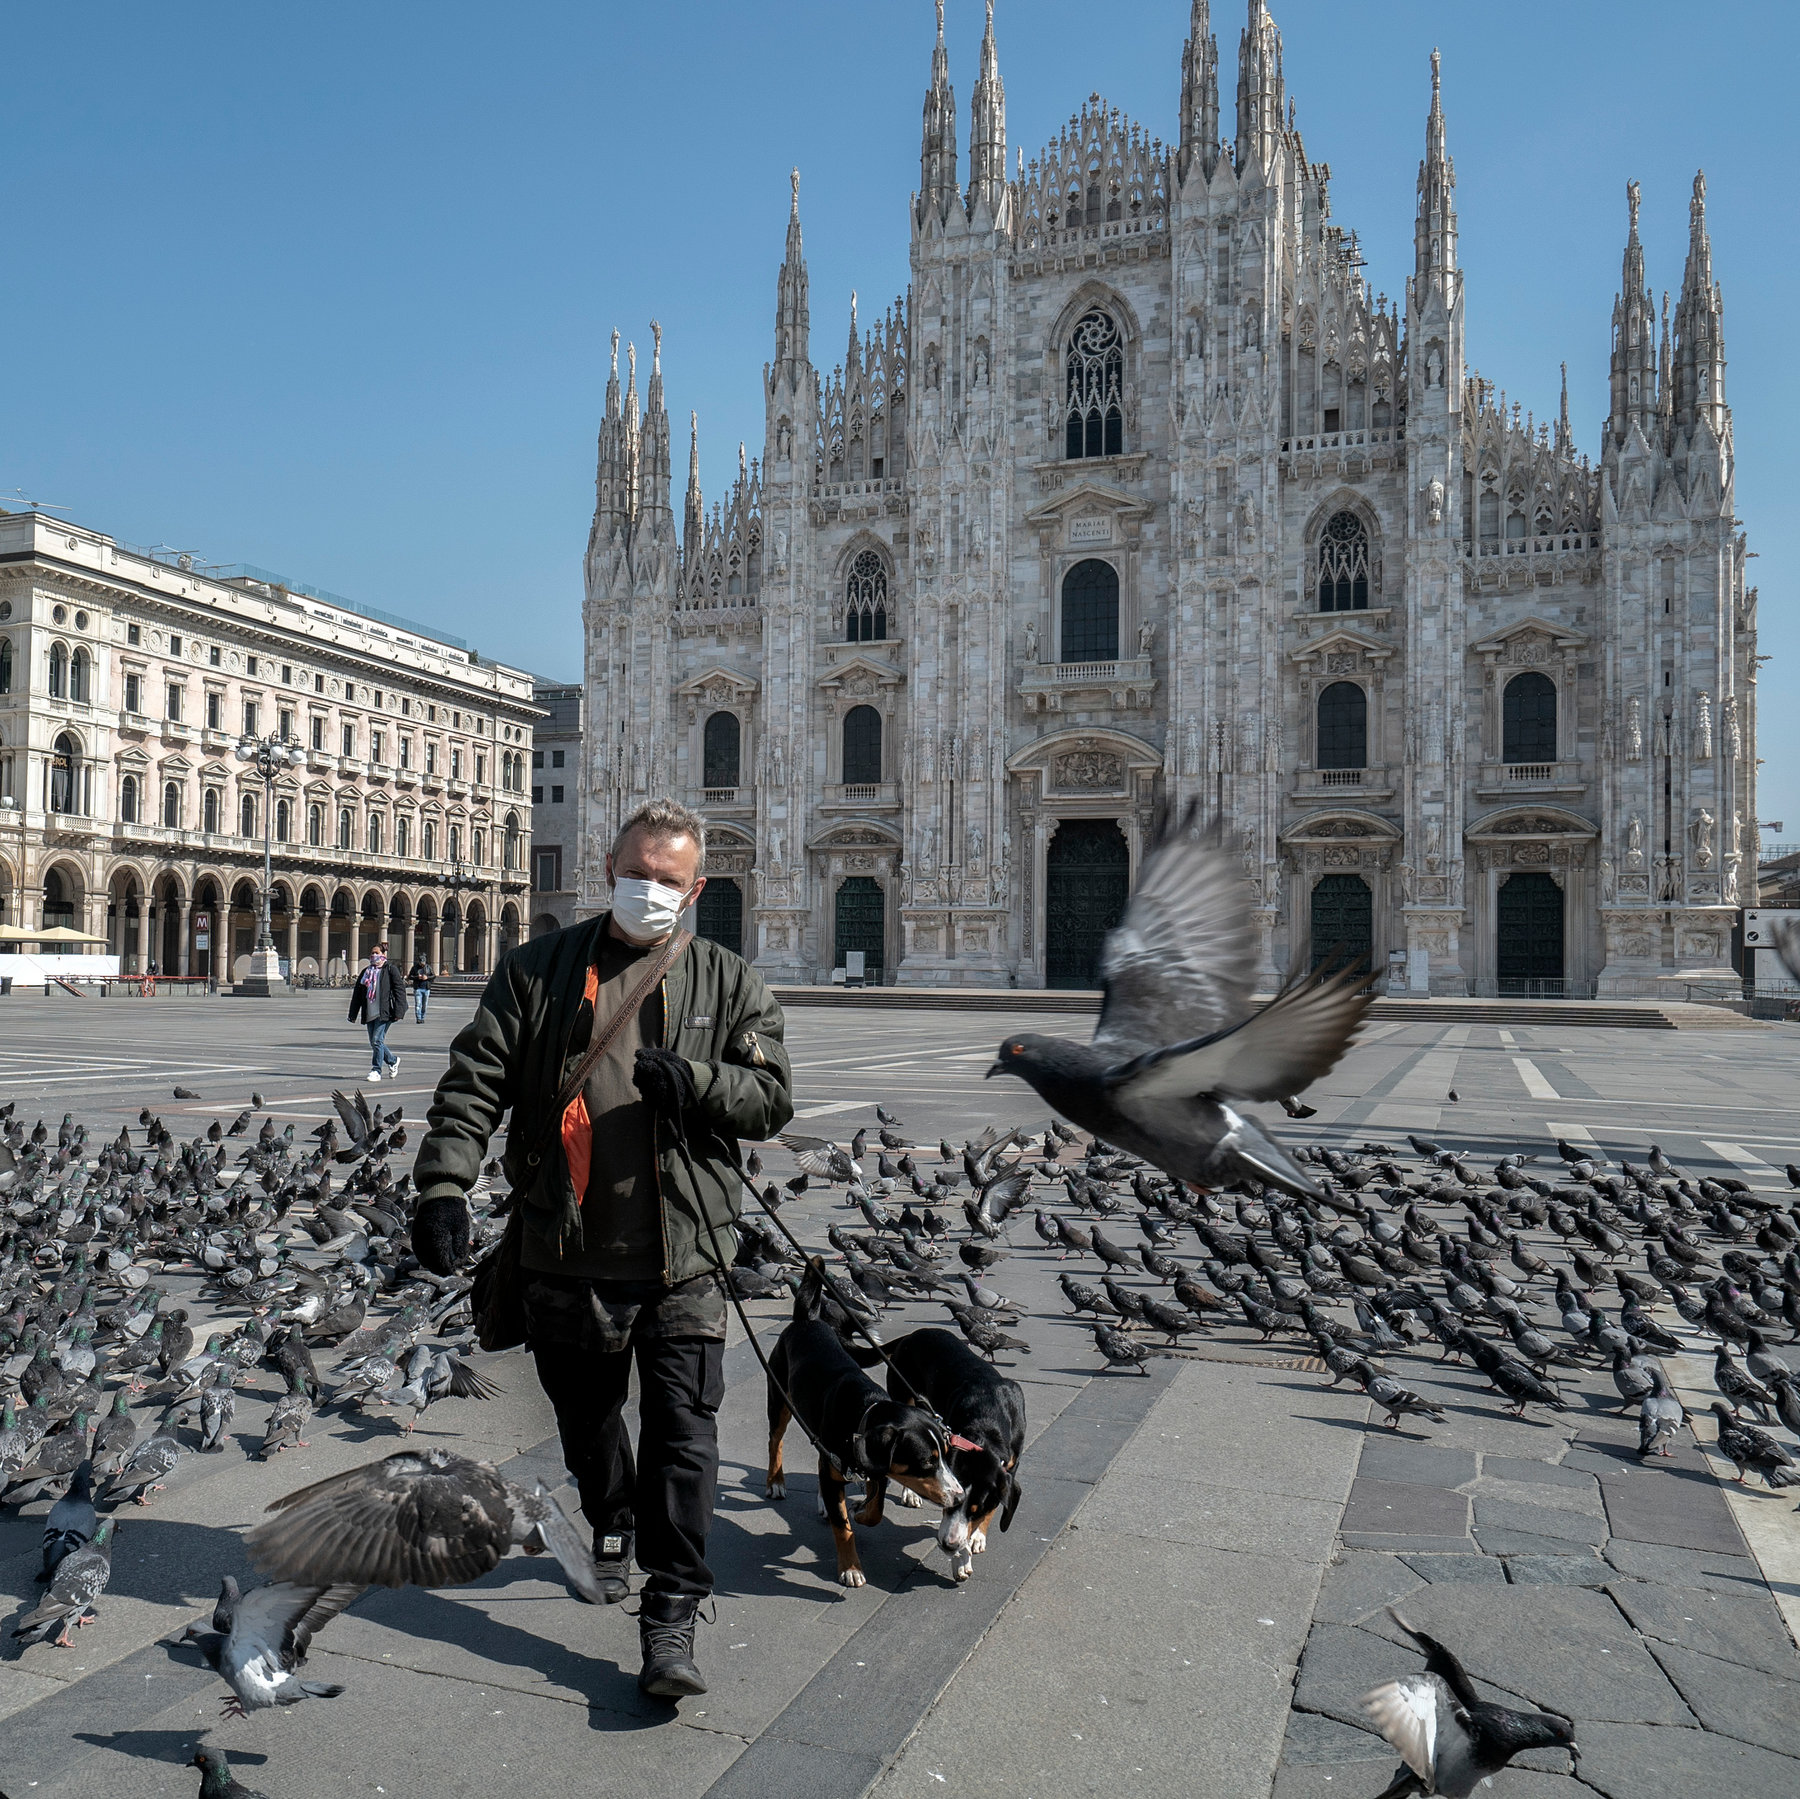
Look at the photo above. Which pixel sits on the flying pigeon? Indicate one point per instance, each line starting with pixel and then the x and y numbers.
pixel 1451 1739
pixel 259 1638
pixel 1179 1044
pixel 427 1519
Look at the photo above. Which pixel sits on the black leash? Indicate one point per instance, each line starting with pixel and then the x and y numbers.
pixel 678 1125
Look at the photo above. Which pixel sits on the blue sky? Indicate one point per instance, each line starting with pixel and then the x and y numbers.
pixel 328 289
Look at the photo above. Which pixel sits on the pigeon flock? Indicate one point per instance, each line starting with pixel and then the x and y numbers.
pixel 145 1281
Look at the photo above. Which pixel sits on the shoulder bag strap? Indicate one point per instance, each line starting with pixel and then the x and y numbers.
pixel 604 1034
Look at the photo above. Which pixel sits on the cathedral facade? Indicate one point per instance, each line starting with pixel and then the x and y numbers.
pixel 1142 496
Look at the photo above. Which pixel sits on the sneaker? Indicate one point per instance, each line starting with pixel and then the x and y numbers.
pixel 666 1632
pixel 612 1564
pixel 374 1076
pixel 394 1069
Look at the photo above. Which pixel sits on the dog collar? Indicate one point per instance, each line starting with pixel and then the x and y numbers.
pixel 857 1449
pixel 957 1442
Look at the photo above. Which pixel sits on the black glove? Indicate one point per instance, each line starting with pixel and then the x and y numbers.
pixel 666 1081
pixel 440 1232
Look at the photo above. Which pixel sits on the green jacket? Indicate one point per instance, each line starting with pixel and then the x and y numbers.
pixel 524 1041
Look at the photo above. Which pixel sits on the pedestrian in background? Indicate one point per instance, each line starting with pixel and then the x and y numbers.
pixel 421 986
pixel 378 999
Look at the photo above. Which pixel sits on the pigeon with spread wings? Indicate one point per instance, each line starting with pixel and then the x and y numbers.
pixel 1179 1040
pixel 420 1518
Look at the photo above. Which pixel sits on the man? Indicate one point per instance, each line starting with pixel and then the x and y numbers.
pixel 420 977
pixel 378 999
pixel 627 1206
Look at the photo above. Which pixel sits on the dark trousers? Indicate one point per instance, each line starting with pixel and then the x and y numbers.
pixel 666 1490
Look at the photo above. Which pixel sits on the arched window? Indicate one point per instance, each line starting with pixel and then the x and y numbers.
pixel 1489 509
pixel 862 746
pixel 128 800
pixel 1344 564
pixel 284 821
pixel 346 828
pixel 1090 613
pixel 247 815
pixel 59 671
pixel 80 676
pixel 1094 419
pixel 62 776
pixel 865 602
pixel 429 840
pixel 315 826
pixel 456 843
pixel 723 746
pixel 511 851
pixel 172 805
pixel 209 809
pixel 402 836
pixel 478 847
pixel 1343 726
pixel 1528 719
pixel 374 833
pixel 6 654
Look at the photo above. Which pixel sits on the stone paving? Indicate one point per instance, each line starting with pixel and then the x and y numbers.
pixel 1191 1600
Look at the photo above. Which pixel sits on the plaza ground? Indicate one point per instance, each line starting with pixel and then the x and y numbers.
pixel 1189 1600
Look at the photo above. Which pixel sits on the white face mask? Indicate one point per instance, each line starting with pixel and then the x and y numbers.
pixel 647 911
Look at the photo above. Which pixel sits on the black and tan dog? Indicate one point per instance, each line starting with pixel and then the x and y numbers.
pixel 986 1415
pixel 859 1429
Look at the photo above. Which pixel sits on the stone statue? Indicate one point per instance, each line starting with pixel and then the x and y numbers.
pixel 1031 640
pixel 1634 729
pixel 1734 742
pixel 977 845
pixel 1700 835
pixel 1434 502
pixel 1608 886
pixel 1434 844
pixel 1408 883
pixel 1146 637
pixel 1634 842
pixel 1703 737
pixel 781 547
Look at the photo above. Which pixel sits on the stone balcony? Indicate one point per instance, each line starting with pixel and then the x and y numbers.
pixel 1508 780
pixel 719 802
pixel 1344 786
pixel 1124 686
pixel 860 796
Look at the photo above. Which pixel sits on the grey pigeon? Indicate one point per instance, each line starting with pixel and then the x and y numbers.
pixel 419 1518
pixel 218 1406
pixel 216 1779
pixel 1748 1448
pixel 1631 1375
pixel 1660 1415
pixel 1120 1351
pixel 1450 1739
pixel 1395 1400
pixel 1179 1044
pixel 79 1580
pixel 266 1634
pixel 69 1525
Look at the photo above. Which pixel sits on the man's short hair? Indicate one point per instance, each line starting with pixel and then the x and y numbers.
pixel 660 820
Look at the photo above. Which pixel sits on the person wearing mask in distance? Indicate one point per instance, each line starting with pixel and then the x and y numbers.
pixel 379 1000
pixel 627 1187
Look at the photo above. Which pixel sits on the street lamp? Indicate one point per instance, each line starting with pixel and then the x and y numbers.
pixel 268 756
pixel 460 881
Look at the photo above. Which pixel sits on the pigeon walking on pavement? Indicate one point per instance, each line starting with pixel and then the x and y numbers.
pixel 1179 1043
pixel 79 1580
